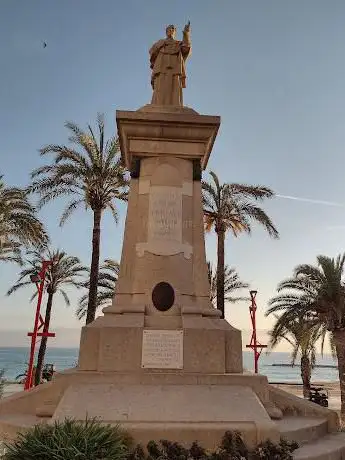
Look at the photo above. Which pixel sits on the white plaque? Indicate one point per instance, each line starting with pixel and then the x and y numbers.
pixel 162 349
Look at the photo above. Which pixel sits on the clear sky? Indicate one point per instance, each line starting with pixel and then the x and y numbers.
pixel 273 70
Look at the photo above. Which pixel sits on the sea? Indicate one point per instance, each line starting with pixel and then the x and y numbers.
pixel 14 362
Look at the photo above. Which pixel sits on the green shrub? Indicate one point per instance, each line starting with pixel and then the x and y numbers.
pixel 70 440
pixel 232 447
pixel 90 440
pixel 2 450
pixel 270 451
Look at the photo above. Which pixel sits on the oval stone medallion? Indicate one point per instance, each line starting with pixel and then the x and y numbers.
pixel 163 296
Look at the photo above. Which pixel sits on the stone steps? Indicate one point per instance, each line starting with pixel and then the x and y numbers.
pixel 329 447
pixel 10 424
pixel 311 434
pixel 302 429
pixel 21 420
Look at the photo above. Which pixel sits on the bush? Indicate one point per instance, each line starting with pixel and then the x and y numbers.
pixel 270 451
pixel 90 440
pixel 232 447
pixel 70 440
pixel 2 450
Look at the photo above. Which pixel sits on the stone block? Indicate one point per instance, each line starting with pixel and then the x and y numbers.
pixel 120 349
pixel 181 412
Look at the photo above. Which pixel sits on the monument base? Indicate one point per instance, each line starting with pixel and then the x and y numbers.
pixel 155 405
pixel 114 343
pixel 176 412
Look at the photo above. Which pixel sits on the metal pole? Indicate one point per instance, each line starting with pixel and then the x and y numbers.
pixel 254 344
pixel 253 317
pixel 42 275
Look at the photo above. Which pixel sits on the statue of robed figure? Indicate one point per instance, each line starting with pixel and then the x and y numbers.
pixel 167 58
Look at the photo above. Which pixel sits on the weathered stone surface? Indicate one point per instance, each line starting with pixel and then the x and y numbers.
pixel 186 406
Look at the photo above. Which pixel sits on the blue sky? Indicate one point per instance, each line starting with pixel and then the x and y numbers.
pixel 273 70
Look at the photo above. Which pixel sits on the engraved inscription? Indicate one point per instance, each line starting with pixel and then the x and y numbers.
pixel 165 214
pixel 162 349
pixel 164 226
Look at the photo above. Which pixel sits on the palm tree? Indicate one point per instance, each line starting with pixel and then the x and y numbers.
pixel 318 292
pixel 93 175
pixel 230 207
pixel 107 279
pixel 232 283
pixel 10 252
pixel 64 271
pixel 19 224
pixel 302 334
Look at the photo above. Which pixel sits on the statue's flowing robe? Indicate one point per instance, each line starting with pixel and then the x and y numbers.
pixel 167 58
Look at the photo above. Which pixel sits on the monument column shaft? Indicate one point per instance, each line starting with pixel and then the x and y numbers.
pixel 164 239
pixel 164 234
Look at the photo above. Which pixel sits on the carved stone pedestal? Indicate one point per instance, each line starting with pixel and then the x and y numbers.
pixel 163 281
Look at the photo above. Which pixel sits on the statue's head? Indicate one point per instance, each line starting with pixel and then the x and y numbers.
pixel 171 31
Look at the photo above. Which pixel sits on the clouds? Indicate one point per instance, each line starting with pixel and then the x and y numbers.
pixel 321 202
pixel 311 200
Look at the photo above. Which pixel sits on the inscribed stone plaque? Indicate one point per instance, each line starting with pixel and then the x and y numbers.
pixel 164 228
pixel 162 349
pixel 165 214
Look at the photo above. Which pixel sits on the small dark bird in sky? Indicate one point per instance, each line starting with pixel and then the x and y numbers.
pixel 44 44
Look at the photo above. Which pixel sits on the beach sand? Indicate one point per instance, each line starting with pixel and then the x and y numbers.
pixel 11 388
pixel 332 388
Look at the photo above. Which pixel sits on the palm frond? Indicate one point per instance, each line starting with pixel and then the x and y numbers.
pixel 19 224
pixel 312 304
pixel 64 271
pixel 73 205
pixel 230 207
pixel 232 283
pixel 65 297
pixel 107 279
pixel 92 171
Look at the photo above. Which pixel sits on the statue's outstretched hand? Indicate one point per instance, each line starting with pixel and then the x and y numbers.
pixel 187 27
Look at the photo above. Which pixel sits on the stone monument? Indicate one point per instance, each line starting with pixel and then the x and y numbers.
pixel 160 360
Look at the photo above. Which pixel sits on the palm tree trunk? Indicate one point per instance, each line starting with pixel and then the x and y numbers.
pixel 43 346
pixel 220 271
pixel 339 340
pixel 96 239
pixel 306 375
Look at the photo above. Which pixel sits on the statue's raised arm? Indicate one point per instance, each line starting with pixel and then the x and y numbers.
pixel 167 61
pixel 186 33
pixel 186 44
